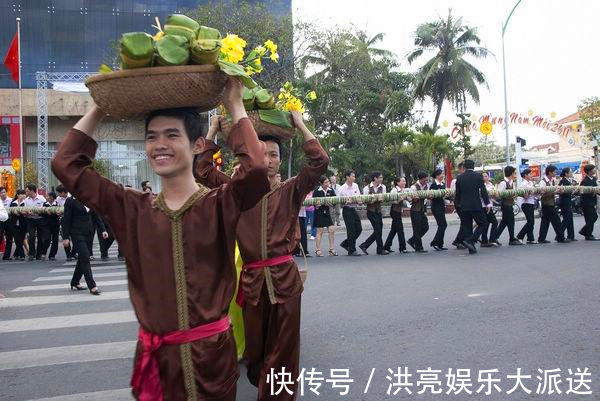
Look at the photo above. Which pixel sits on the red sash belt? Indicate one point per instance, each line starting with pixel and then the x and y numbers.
pixel 146 379
pixel 259 264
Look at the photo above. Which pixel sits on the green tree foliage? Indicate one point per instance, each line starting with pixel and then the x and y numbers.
pixel 30 174
pixel 101 166
pixel 589 111
pixel 255 22
pixel 447 75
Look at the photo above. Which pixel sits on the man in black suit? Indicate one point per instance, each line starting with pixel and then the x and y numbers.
pixel 588 203
pixel 470 190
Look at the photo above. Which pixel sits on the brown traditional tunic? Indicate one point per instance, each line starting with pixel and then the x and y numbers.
pixel 272 294
pixel 180 264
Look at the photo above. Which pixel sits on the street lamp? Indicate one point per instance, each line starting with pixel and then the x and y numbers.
pixel 504 74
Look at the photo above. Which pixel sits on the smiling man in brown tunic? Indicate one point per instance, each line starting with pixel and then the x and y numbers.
pixel 270 285
pixel 179 248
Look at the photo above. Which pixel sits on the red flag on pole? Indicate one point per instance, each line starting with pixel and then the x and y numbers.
pixel 11 61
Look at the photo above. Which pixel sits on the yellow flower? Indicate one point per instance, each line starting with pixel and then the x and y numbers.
pixel 271 46
pixel 158 35
pixel 274 57
pixel 311 96
pixel 260 50
pixel 232 49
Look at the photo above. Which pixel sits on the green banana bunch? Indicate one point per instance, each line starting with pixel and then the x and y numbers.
pixel 136 50
pixel 205 48
pixel 172 50
pixel 181 25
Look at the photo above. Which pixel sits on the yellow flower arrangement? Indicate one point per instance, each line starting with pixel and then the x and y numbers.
pixel 233 48
pixel 289 98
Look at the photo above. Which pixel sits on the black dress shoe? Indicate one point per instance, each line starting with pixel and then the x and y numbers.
pixel 543 241
pixel 460 246
pixel 364 249
pixel 563 241
pixel 51 258
pixel 354 254
pixel 470 247
pixel 591 238
pixel 421 251
pixel 403 251
pixel 388 250
pixel 572 239
pixel 515 242
pixel 95 292
pixel 345 247
pixel 411 242
pixel 531 242
pixel 383 252
pixel 78 287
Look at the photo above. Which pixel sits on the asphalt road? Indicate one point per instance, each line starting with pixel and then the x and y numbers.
pixel 531 307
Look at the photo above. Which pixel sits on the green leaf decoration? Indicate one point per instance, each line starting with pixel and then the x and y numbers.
pixel 236 70
pixel 172 50
pixel 181 25
pixel 136 50
pixel 205 32
pixel 205 51
pixel 276 117
pixel 264 99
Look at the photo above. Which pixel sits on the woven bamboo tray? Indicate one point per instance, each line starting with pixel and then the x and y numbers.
pixel 132 94
pixel 264 128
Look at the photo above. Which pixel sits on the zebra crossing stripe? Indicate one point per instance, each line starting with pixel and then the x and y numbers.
pixel 32 358
pixel 94 268
pixel 123 394
pixel 59 322
pixel 61 299
pixel 54 278
pixel 65 286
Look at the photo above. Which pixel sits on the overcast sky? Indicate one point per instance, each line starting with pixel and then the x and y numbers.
pixel 552 51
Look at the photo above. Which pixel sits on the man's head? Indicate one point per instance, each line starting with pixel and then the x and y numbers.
pixel 526 174
pixel 171 136
pixel 2 193
pixel 333 180
pixel 589 170
pixel 422 177
pixel 51 196
pixel 62 191
pixel 460 168
pixel 376 178
pixel 31 190
pixel 272 154
pixel 510 172
pixel 350 177
pixel 551 171
pixel 21 194
pixel 438 174
pixel 469 164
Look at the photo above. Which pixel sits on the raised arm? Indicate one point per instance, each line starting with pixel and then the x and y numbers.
pixel 483 190
pixel 204 170
pixel 318 160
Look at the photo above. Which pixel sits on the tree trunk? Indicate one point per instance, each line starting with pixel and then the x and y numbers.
pixel 396 158
pixel 437 114
pixel 401 165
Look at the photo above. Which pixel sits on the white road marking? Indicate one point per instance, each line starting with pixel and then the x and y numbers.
pixel 62 299
pixel 55 278
pixel 123 394
pixel 94 269
pixel 58 322
pixel 65 286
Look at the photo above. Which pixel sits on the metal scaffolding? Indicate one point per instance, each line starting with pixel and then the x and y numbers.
pixel 43 154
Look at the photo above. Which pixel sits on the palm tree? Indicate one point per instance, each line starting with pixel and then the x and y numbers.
pixel 396 138
pixel 447 75
pixel 329 56
pixel 363 45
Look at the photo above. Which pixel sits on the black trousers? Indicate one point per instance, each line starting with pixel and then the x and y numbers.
pixel 590 215
pixel 376 220
pixel 566 212
pixel 420 228
pixel 353 228
pixel 461 234
pixel 493 222
pixel 82 268
pixel 508 221
pixel 303 238
pixel 527 230
pixel 53 229
pixel 19 237
pixel 550 216
pixel 466 222
pixel 36 228
pixel 397 229
pixel 440 219
pixel 6 230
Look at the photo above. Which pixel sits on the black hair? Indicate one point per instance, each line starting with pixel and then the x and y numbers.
pixel 144 184
pixel 348 173
pixel 31 187
pixel 322 179
pixel 469 164
pixel 191 118
pixel 525 172
pixel 550 169
pixel 61 188
pixel 588 168
pixel 437 172
pixel 509 170
pixel 397 180
pixel 271 138
pixel 461 165
pixel 421 175
pixel 375 174
pixel 52 194
pixel 19 192
pixel 565 171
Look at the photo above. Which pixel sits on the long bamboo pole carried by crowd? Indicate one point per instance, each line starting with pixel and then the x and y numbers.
pixel 448 193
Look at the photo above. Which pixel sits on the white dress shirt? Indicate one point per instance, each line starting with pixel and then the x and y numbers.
pixel 530 199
